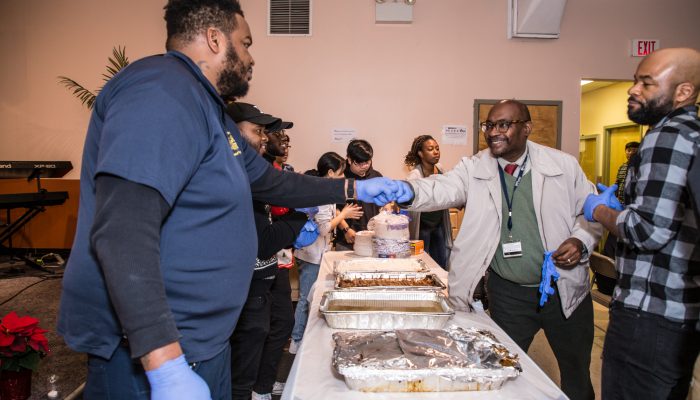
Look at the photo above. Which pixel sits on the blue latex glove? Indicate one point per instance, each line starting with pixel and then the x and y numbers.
pixel 310 211
pixel 308 235
pixel 405 192
pixel 376 190
pixel 606 198
pixel 174 379
pixel 549 276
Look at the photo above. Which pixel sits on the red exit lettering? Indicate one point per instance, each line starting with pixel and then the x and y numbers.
pixel 641 48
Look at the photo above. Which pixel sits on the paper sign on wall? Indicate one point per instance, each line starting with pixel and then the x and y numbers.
pixel 343 135
pixel 454 134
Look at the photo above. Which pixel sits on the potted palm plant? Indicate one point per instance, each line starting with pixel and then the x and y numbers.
pixel 118 61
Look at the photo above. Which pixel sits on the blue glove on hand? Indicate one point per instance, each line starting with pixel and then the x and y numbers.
pixel 308 235
pixel 310 211
pixel 405 192
pixel 549 276
pixel 376 190
pixel 174 379
pixel 606 198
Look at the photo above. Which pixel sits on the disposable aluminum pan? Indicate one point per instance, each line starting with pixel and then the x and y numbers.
pixel 388 281
pixel 385 309
pixel 423 360
pixel 380 265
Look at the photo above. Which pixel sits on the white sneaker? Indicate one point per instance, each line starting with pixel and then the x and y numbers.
pixel 294 346
pixel 278 388
pixel 264 396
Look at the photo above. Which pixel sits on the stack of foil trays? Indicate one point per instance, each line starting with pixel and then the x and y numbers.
pixel 423 360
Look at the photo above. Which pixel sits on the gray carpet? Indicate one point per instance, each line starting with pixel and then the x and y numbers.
pixel 36 294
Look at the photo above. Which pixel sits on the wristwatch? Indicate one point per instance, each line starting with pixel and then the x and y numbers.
pixel 584 253
pixel 350 190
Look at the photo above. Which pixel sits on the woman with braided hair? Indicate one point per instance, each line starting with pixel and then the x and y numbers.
pixel 432 227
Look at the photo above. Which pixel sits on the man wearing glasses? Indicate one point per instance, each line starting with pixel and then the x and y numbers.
pixel 278 145
pixel 521 200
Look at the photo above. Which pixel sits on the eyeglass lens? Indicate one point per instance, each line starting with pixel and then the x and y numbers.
pixel 501 126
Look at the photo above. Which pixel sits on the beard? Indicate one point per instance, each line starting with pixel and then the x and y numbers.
pixel 232 82
pixel 651 112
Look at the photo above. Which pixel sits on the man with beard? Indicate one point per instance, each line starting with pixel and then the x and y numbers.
pixel 264 324
pixel 166 243
pixel 522 199
pixel 654 335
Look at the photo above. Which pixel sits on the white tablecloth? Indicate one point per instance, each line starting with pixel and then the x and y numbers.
pixel 313 378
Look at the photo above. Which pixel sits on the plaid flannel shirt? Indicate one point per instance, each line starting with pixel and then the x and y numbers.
pixel 657 256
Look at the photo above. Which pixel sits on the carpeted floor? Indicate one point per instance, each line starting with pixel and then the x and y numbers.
pixel 36 294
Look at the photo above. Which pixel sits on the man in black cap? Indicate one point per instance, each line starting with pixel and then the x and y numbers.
pixel 261 321
pixel 253 123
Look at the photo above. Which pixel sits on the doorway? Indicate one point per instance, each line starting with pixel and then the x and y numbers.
pixel 588 156
pixel 605 128
pixel 616 137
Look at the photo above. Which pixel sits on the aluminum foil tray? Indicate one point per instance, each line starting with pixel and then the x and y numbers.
pixel 423 360
pixel 385 309
pixel 380 265
pixel 388 281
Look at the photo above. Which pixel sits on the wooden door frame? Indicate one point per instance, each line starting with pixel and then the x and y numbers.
pixel 606 146
pixel 597 151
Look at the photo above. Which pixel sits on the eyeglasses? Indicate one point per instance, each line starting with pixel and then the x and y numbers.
pixel 361 163
pixel 501 126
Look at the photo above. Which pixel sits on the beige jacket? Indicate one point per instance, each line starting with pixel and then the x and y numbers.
pixel 559 187
pixel 414 225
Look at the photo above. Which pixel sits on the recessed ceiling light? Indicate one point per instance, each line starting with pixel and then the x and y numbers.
pixel 585 82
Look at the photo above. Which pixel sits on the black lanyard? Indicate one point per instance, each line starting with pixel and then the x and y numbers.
pixel 509 200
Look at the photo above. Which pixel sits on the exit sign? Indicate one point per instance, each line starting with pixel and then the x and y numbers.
pixel 642 47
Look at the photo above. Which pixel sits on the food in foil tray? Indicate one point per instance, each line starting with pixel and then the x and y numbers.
pixel 385 309
pixel 423 360
pixel 388 280
pixel 380 265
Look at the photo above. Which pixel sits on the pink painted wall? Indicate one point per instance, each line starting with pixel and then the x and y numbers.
pixel 389 82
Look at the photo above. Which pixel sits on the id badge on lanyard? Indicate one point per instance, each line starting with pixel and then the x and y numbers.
pixel 511 248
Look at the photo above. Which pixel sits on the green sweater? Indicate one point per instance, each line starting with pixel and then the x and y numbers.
pixel 525 270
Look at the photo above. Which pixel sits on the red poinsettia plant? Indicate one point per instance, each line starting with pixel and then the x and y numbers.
pixel 22 342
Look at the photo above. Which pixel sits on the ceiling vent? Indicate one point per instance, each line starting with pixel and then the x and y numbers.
pixel 289 18
pixel 535 18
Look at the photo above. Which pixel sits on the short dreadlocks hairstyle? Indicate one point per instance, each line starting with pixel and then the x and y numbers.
pixel 412 157
pixel 185 19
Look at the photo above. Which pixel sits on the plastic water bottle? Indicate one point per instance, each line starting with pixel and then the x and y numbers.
pixel 53 387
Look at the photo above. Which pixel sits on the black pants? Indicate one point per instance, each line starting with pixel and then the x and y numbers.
pixel 434 243
pixel 281 325
pixel 248 339
pixel 515 310
pixel 646 356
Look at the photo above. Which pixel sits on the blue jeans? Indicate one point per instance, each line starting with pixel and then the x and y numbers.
pixel 646 356
pixel 308 273
pixel 122 377
pixel 434 243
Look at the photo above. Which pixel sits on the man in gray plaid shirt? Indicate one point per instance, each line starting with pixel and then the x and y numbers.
pixel 654 335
